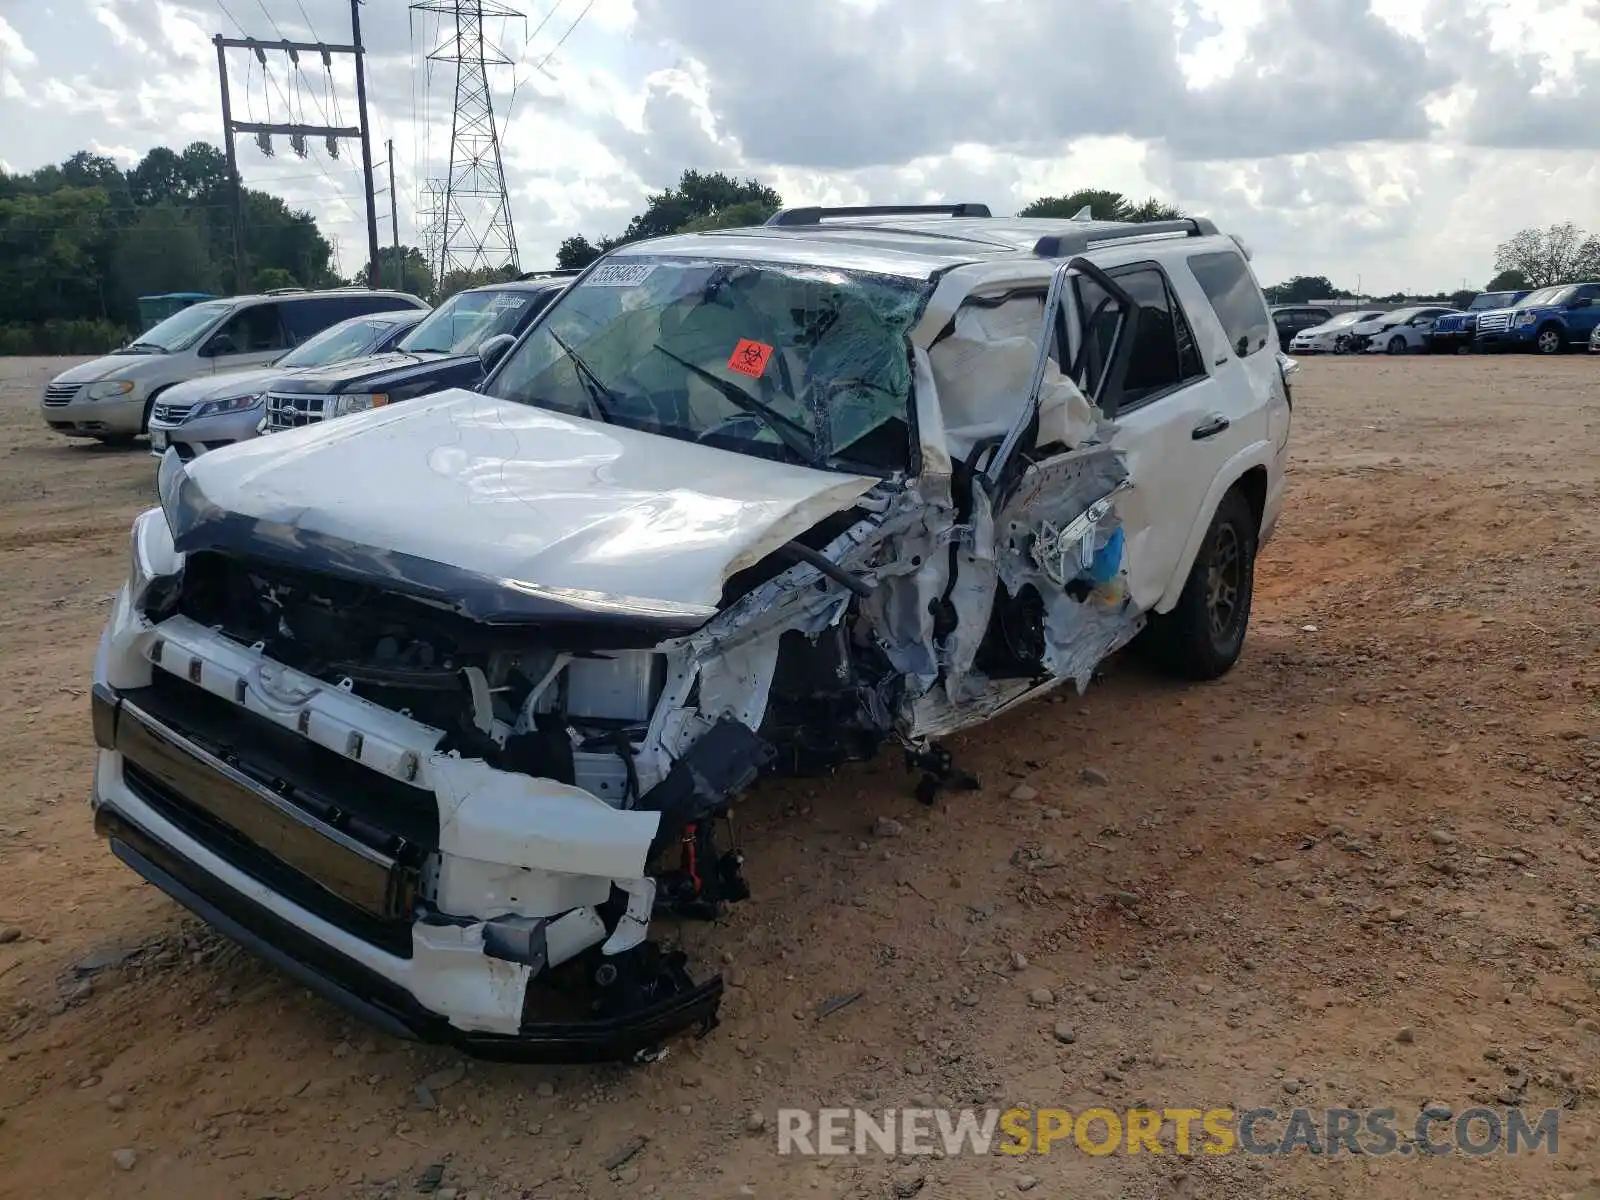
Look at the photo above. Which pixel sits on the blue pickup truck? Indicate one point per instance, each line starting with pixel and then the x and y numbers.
pixel 1547 321
pixel 1453 333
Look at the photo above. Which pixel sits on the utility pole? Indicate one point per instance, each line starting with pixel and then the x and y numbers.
pixel 234 197
pixel 394 225
pixel 475 229
pixel 366 143
pixel 297 132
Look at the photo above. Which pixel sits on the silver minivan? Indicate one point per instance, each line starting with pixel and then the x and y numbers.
pixel 110 398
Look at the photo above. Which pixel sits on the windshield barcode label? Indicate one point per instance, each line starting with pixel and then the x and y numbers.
pixel 620 274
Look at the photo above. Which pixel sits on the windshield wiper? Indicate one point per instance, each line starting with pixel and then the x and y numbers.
pixel 146 346
pixel 790 432
pixel 600 395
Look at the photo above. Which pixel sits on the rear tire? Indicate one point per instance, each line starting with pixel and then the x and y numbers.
pixel 1203 636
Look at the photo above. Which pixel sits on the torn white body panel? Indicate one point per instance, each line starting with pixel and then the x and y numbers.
pixel 984 370
pixel 494 816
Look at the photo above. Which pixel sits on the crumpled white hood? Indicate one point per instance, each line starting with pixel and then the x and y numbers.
pixel 521 493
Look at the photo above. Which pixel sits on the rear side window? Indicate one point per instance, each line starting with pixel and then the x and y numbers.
pixel 308 317
pixel 1163 356
pixel 1234 298
pixel 252 330
pixel 361 305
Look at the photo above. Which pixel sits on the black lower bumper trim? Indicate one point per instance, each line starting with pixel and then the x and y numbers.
pixel 377 1000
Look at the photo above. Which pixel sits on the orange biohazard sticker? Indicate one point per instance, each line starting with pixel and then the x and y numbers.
pixel 749 358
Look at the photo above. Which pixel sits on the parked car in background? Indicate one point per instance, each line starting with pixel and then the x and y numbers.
pixel 1331 337
pixel 1403 330
pixel 1454 333
pixel 1290 319
pixel 203 414
pixel 1546 321
pixel 454 346
pixel 111 398
pixel 1391 328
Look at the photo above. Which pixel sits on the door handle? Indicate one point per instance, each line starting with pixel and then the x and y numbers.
pixel 1210 427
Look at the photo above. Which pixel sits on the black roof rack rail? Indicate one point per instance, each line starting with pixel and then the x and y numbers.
pixel 1065 245
pixel 815 215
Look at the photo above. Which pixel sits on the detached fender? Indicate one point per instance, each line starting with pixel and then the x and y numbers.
pixel 1258 454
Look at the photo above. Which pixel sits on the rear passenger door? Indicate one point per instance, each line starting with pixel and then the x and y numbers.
pixel 1178 413
pixel 252 337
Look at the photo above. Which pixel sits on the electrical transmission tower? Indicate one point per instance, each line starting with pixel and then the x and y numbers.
pixel 475 223
pixel 430 221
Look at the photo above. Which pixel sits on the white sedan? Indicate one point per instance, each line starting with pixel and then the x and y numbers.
pixel 1331 337
pixel 1399 331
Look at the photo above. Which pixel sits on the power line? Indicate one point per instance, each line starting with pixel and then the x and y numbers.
pixel 243 32
pixel 565 36
pixel 261 4
pixel 307 17
pixel 516 83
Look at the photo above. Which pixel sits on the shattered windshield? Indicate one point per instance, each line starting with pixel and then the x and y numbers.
pixel 801 364
pixel 468 319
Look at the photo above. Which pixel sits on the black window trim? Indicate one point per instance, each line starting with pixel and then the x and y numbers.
pixel 1233 349
pixel 1127 406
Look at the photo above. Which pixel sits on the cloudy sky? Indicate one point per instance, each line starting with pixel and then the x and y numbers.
pixel 1394 141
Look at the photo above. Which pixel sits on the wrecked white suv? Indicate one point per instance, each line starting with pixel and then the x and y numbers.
pixel 440 705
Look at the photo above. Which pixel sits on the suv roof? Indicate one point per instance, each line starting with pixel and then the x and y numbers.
pixel 914 241
pixel 282 295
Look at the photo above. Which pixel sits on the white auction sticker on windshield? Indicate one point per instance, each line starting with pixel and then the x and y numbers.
pixel 507 301
pixel 620 274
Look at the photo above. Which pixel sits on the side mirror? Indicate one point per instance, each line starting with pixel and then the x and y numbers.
pixel 218 346
pixel 493 350
pixel 1581 302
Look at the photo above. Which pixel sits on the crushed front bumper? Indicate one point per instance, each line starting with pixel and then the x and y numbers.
pixel 308 933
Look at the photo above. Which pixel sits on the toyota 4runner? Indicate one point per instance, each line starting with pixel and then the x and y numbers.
pixel 440 705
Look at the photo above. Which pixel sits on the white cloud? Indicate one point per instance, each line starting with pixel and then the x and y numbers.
pixel 1398 140
pixel 13 50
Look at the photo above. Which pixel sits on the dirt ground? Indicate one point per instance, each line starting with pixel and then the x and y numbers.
pixel 1359 871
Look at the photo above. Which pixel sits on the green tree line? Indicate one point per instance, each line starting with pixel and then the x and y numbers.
pixel 82 241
